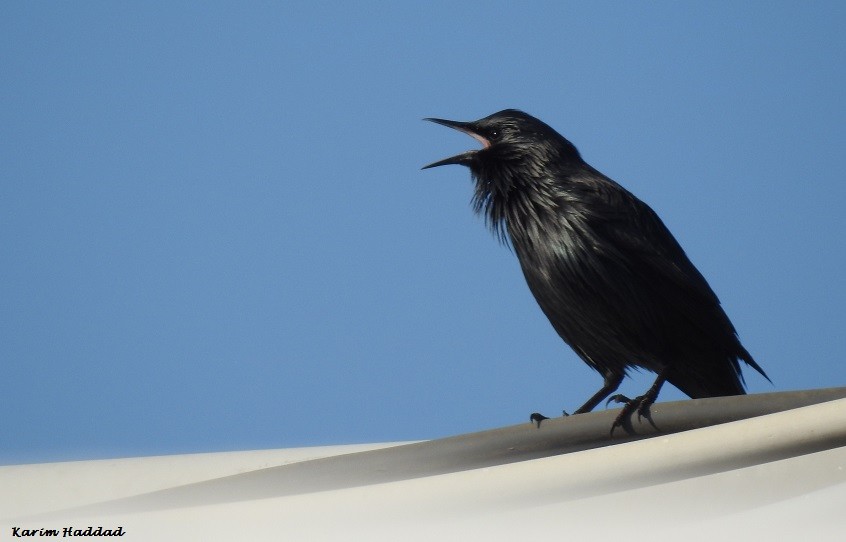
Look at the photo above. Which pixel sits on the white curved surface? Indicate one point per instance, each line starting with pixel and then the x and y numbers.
pixel 685 486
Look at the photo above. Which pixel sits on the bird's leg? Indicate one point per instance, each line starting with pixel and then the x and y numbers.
pixel 612 382
pixel 640 403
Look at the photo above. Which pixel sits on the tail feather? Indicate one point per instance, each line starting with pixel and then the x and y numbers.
pixel 705 378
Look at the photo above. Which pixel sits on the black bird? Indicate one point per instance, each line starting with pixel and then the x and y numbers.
pixel 606 271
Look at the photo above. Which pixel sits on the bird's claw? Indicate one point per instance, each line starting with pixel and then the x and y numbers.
pixel 640 404
pixel 618 398
pixel 537 417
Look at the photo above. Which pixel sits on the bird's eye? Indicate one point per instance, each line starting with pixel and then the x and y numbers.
pixel 493 135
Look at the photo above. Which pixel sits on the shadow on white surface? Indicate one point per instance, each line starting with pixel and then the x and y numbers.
pixel 780 475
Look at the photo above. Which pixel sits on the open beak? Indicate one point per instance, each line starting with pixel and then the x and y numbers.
pixel 466 157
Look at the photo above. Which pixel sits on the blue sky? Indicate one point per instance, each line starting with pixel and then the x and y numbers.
pixel 216 234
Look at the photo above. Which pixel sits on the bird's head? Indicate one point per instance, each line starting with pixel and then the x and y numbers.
pixel 520 166
pixel 509 139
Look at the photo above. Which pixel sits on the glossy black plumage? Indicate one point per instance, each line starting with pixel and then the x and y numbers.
pixel 611 278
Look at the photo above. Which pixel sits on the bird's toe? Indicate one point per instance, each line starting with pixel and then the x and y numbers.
pixel 618 398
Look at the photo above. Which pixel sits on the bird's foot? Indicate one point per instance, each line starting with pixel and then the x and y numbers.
pixel 618 398
pixel 537 417
pixel 640 404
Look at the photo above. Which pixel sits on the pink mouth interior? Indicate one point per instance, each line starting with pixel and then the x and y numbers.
pixel 485 143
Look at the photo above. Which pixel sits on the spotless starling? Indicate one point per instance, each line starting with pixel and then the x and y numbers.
pixel 607 273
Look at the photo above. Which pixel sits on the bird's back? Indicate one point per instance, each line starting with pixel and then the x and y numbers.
pixel 619 289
